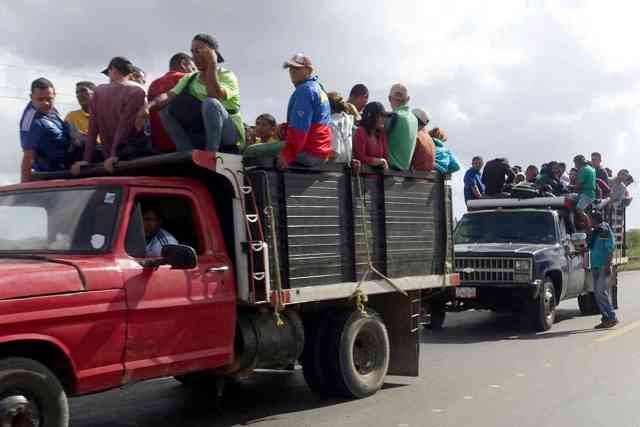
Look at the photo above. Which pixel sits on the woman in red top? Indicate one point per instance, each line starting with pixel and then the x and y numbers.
pixel 369 141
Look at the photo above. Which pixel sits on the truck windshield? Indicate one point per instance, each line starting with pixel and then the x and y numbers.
pixel 506 227
pixel 75 220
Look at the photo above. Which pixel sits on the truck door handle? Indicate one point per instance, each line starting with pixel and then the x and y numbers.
pixel 217 269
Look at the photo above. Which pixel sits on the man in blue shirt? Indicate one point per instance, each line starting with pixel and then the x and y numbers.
pixel 602 246
pixel 473 185
pixel 44 137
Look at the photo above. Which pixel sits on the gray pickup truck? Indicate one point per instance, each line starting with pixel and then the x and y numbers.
pixel 518 256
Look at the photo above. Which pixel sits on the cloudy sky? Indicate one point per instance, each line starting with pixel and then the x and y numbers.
pixel 532 80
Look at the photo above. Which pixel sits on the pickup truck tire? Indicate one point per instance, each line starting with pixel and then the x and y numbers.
pixel 587 304
pixel 543 309
pixel 314 355
pixel 30 394
pixel 358 354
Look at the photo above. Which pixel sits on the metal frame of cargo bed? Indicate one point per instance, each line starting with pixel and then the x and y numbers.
pixel 204 166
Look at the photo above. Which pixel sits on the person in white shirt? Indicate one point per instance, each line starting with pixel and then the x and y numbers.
pixel 155 235
pixel 341 128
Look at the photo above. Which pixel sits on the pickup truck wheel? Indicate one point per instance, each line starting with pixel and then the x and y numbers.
pixel 358 354
pixel 314 359
pixel 587 304
pixel 31 395
pixel 543 309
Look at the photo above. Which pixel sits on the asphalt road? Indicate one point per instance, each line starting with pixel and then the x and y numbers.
pixel 483 369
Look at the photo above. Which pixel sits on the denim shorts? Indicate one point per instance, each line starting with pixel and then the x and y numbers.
pixel 584 201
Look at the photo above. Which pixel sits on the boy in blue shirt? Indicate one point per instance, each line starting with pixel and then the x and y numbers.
pixel 602 246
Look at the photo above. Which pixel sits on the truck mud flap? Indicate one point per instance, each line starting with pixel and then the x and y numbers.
pixel 401 316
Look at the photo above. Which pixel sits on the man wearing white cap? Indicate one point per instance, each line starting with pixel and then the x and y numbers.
pixel 402 130
pixel 307 134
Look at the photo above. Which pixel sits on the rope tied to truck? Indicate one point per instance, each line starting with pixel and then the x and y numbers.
pixel 359 295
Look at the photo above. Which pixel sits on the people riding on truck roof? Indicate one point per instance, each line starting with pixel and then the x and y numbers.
pixel 203 110
pixel 370 141
pixel 341 129
pixel 424 155
pixel 602 246
pixel 78 120
pixel 473 186
pixel 446 162
pixel 401 129
pixel 359 98
pixel 180 65
pixel 43 135
pixel 113 111
pixel 497 173
pixel 306 135
pixel 549 179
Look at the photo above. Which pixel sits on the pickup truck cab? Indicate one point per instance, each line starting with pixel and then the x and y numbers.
pixel 518 256
pixel 260 277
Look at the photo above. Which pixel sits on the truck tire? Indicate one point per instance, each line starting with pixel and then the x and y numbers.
pixel 314 355
pixel 587 304
pixel 358 354
pixel 543 309
pixel 30 394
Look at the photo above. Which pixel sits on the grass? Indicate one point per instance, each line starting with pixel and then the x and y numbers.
pixel 632 265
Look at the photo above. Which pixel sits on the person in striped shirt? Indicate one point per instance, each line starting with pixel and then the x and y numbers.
pixel 156 236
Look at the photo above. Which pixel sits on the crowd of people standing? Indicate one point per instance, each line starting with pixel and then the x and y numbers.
pixel 196 105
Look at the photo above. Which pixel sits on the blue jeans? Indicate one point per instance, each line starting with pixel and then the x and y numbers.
pixel 219 129
pixel 601 293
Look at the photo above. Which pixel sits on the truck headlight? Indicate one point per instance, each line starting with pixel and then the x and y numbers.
pixel 522 265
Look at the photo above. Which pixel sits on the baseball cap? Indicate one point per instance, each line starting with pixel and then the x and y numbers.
pixel 212 42
pixel 421 115
pixel 121 64
pixel 372 109
pixel 298 61
pixel 399 91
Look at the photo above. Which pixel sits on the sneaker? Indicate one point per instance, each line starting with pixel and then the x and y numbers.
pixel 610 323
pixel 600 326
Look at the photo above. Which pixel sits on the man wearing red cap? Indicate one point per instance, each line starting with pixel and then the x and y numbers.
pixel 307 134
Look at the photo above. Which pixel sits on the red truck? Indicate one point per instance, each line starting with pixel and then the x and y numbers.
pixel 271 268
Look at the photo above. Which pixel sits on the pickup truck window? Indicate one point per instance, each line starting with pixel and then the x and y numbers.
pixel 76 220
pixel 506 227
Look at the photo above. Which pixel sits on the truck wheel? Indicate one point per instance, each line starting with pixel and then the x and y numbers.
pixel 587 304
pixel 358 354
pixel 314 355
pixel 543 309
pixel 31 395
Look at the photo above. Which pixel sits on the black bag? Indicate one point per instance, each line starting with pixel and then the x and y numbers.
pixel 187 109
pixel 524 191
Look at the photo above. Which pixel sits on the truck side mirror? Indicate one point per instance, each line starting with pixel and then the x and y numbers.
pixel 179 257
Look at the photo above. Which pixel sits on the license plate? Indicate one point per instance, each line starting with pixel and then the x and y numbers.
pixel 466 293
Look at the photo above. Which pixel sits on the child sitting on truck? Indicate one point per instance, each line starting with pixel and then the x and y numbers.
pixel 265 144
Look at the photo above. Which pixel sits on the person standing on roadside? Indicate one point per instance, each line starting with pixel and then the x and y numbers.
pixel 473 185
pixel 602 246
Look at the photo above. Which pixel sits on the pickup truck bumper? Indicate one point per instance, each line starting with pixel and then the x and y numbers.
pixel 498 297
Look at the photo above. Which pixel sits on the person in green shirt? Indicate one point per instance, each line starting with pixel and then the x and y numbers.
pixel 203 110
pixel 401 129
pixel 586 183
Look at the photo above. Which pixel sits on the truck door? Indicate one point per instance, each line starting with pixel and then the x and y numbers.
pixel 179 320
pixel 575 264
